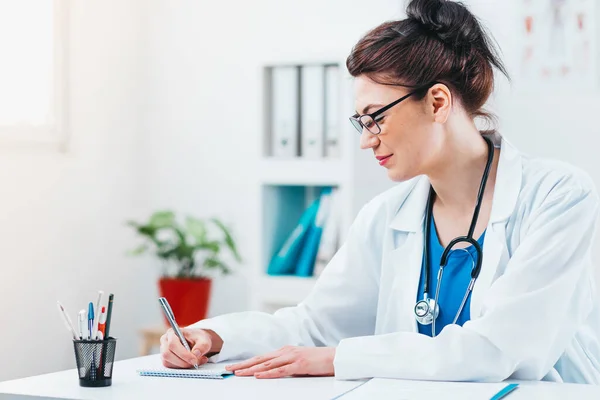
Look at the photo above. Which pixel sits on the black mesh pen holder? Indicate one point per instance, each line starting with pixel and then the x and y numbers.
pixel 95 359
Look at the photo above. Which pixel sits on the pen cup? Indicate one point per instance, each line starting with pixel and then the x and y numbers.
pixel 95 359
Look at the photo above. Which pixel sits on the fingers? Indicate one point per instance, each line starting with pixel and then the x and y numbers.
pixel 169 359
pixel 199 340
pixel 202 360
pixel 288 361
pixel 200 349
pixel 170 364
pixel 280 372
pixel 174 355
pixel 272 364
pixel 252 361
pixel 179 364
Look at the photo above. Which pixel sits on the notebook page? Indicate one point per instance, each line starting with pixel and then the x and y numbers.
pixel 204 371
pixel 396 389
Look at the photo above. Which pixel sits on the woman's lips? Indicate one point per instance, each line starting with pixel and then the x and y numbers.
pixel 383 159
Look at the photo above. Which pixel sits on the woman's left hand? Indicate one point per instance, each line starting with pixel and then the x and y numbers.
pixel 288 361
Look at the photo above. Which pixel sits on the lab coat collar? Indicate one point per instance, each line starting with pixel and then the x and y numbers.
pixel 508 182
pixel 410 211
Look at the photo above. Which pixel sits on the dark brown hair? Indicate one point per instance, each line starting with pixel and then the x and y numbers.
pixel 439 41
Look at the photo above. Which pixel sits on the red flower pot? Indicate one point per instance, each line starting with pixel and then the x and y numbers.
pixel 189 298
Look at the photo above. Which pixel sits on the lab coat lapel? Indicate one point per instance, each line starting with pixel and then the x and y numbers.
pixel 492 250
pixel 405 264
pixel 406 257
pixel 495 252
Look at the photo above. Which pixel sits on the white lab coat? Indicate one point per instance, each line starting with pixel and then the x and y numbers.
pixel 534 309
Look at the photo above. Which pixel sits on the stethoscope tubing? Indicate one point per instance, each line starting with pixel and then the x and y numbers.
pixel 469 239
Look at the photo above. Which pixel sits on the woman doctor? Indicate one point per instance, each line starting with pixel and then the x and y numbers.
pixel 476 267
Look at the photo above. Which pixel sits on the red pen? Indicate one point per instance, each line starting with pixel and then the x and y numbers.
pixel 102 324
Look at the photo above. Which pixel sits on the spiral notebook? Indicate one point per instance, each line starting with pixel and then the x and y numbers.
pixel 203 372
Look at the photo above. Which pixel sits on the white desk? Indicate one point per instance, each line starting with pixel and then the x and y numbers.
pixel 126 384
pixel 388 389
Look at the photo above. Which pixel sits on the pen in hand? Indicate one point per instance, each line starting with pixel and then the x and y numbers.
pixel 171 318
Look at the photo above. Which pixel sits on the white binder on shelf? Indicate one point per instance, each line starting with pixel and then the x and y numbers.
pixel 312 111
pixel 285 111
pixel 332 111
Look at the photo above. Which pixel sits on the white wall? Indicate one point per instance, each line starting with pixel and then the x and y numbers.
pixel 61 215
pixel 557 124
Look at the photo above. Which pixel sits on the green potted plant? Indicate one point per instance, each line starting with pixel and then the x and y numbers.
pixel 191 254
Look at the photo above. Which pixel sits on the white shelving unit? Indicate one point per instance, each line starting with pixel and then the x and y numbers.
pixel 281 291
pixel 289 184
pixel 302 172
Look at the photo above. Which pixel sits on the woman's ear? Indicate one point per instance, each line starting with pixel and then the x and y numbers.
pixel 440 102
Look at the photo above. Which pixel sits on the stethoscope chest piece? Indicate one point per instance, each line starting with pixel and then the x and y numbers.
pixel 426 311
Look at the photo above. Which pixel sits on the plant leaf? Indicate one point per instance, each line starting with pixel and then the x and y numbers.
pixel 140 250
pixel 162 219
pixel 149 231
pixel 180 235
pixel 212 246
pixel 165 253
pixel 212 262
pixel 196 228
pixel 228 239
pixel 190 247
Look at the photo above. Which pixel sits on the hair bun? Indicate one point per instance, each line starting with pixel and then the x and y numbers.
pixel 451 21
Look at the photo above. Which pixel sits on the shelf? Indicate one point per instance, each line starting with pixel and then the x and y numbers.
pixel 284 290
pixel 302 172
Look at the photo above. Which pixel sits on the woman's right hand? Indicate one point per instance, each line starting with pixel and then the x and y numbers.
pixel 175 355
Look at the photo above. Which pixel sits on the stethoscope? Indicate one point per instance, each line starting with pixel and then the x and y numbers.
pixel 427 310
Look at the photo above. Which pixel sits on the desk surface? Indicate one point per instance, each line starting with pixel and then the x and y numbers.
pixel 127 384
pixel 398 389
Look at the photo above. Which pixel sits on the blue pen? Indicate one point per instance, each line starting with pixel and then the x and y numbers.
pixel 505 391
pixel 90 320
pixel 90 333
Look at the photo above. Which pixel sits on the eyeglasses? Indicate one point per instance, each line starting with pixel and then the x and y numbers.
pixel 369 121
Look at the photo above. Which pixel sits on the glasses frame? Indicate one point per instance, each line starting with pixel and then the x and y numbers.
pixel 356 119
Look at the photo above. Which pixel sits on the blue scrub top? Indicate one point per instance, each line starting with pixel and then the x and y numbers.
pixel 456 278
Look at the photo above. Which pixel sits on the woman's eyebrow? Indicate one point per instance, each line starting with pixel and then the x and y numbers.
pixel 369 107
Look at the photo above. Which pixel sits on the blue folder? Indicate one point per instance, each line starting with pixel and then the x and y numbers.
pixel 308 255
pixel 306 261
pixel 284 261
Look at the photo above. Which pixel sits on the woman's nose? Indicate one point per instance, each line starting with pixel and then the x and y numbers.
pixel 368 140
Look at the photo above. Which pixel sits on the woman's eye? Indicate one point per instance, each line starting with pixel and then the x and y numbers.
pixel 380 118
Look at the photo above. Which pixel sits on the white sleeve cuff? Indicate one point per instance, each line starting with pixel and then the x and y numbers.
pixel 229 350
pixel 347 362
